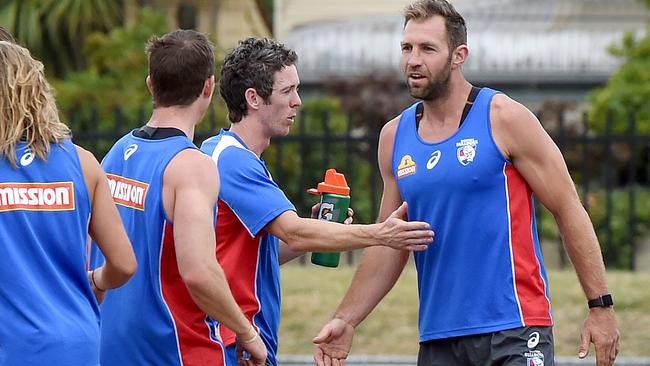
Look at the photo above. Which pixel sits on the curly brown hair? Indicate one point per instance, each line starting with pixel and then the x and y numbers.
pixel 251 65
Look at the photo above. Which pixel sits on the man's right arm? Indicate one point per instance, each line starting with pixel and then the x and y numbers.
pixel 311 235
pixel 107 230
pixel 378 272
pixel 191 188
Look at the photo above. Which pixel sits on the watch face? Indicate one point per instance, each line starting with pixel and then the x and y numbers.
pixel 607 300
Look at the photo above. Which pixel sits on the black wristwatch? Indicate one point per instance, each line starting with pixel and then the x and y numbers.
pixel 603 301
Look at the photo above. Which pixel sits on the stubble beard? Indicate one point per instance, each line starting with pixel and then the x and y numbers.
pixel 435 89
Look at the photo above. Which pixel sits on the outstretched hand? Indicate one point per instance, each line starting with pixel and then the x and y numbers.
pixel 398 233
pixel 333 343
pixel 600 329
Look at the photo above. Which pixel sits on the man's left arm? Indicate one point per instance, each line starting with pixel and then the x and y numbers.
pixel 522 140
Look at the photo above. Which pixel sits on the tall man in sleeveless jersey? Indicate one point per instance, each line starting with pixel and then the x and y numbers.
pixel 166 191
pixel 259 83
pixel 471 167
pixel 53 194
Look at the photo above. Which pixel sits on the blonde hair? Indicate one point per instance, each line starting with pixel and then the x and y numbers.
pixel 27 108
pixel 5 35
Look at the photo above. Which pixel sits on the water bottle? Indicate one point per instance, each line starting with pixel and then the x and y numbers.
pixel 334 204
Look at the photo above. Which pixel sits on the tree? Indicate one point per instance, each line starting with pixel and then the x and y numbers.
pixel 115 76
pixel 53 30
pixel 372 99
pixel 628 90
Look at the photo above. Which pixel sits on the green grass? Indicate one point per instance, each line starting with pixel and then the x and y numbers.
pixel 311 294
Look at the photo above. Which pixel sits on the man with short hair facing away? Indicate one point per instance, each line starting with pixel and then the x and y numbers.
pixel 166 190
pixel 259 83
pixel 53 194
pixel 468 161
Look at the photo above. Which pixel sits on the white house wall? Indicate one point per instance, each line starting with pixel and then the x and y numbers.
pixel 530 41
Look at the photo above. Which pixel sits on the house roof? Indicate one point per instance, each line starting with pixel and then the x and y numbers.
pixel 510 41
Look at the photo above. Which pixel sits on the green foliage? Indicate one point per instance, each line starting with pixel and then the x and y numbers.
pixel 618 252
pixel 628 90
pixel 115 76
pixel 296 166
pixel 54 29
pixel 267 8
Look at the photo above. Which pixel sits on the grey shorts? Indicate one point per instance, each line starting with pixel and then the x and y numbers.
pixel 527 346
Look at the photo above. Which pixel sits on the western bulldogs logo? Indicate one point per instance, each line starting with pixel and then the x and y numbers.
pixel 534 358
pixel 466 151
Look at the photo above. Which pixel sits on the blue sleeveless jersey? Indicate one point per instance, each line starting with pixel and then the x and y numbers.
pixel 484 271
pixel 48 311
pixel 152 320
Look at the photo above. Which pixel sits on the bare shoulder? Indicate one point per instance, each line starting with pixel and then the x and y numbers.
pixel 389 129
pixel 506 111
pixel 512 123
pixel 89 164
pixel 85 156
pixel 385 147
pixel 191 166
pixel 190 179
pixel 387 136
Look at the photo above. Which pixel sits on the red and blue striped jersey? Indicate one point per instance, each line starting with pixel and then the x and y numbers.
pixel 484 271
pixel 249 199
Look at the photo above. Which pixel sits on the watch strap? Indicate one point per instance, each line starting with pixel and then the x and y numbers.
pixel 602 301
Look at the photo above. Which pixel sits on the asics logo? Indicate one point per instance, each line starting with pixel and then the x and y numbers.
pixel 129 151
pixel 533 339
pixel 27 158
pixel 433 161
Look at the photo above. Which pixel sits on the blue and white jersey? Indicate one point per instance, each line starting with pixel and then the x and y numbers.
pixel 48 311
pixel 484 271
pixel 152 320
pixel 249 199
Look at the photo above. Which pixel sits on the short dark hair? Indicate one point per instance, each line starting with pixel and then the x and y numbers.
pixel 179 64
pixel 6 36
pixel 252 64
pixel 455 23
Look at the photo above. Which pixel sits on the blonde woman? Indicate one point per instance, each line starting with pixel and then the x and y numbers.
pixel 52 195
